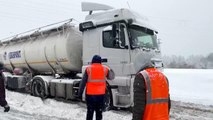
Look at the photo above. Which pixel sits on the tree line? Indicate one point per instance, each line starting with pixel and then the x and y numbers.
pixel 193 61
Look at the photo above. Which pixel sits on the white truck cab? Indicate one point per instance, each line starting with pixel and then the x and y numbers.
pixel 123 38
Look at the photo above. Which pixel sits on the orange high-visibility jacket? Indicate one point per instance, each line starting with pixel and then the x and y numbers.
pixel 157 95
pixel 96 83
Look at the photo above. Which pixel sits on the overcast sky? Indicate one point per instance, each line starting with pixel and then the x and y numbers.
pixel 185 26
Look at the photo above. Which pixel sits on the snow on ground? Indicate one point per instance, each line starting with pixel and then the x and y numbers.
pixel 185 86
pixel 191 85
pixel 27 107
pixel 190 111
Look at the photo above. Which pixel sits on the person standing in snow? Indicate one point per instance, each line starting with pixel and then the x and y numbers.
pixel 94 79
pixel 3 101
pixel 151 94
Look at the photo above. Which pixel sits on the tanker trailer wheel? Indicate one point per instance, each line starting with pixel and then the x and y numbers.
pixel 108 102
pixel 38 88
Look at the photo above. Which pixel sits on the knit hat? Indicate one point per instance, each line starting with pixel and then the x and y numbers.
pixel 96 59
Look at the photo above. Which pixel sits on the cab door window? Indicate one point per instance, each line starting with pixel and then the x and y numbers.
pixel 114 41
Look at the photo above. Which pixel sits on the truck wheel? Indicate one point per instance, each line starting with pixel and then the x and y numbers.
pixel 38 88
pixel 108 103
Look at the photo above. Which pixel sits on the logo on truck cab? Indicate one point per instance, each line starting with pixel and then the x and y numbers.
pixel 15 54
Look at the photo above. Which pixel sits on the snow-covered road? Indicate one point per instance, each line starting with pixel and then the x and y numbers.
pixel 190 111
pixel 193 86
pixel 18 115
pixel 27 107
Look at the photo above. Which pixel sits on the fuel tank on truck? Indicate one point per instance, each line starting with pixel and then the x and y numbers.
pixel 57 50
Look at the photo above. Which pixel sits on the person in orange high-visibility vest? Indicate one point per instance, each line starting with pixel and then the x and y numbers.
pixel 151 94
pixel 94 79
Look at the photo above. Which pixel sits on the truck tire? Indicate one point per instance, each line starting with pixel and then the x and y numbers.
pixel 38 88
pixel 108 102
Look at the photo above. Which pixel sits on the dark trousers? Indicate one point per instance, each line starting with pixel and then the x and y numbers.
pixel 3 101
pixel 94 103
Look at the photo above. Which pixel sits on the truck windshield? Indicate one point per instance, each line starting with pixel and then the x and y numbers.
pixel 141 37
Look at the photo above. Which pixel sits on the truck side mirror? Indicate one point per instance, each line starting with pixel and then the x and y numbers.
pixel 114 28
pixel 104 60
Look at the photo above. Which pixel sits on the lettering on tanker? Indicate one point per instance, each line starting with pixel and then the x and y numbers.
pixel 15 54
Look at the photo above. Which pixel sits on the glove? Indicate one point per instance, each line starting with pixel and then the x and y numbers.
pixel 6 108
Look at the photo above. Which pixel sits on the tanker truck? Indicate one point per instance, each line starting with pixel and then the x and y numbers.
pixel 50 61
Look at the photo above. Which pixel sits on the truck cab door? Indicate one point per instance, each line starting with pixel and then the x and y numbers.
pixel 115 48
